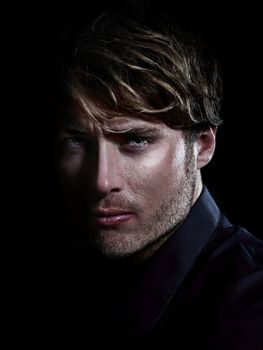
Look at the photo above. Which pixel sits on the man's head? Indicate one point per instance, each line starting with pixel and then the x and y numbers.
pixel 137 124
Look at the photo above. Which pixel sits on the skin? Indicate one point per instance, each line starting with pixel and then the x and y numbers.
pixel 143 168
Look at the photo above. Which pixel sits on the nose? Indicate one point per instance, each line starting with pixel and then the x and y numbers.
pixel 109 175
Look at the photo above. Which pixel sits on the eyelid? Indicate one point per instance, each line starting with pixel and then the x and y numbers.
pixel 131 145
pixel 73 142
pixel 75 134
pixel 150 135
pixel 142 133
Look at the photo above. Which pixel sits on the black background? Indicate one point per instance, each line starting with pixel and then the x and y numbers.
pixel 234 176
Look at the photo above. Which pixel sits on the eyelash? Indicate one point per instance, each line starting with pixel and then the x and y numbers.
pixel 74 142
pixel 129 143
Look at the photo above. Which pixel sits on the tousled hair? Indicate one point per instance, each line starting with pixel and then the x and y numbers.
pixel 120 66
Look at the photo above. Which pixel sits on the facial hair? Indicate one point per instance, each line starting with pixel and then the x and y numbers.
pixel 169 214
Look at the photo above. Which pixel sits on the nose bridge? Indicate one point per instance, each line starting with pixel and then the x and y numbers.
pixel 108 167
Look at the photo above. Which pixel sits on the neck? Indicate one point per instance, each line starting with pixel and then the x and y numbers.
pixel 198 187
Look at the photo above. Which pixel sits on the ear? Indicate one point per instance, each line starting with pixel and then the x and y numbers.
pixel 205 146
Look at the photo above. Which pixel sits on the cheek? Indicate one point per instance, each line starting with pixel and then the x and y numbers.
pixel 68 170
pixel 69 167
pixel 153 175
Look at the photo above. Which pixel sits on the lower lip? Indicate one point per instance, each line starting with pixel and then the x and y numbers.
pixel 107 221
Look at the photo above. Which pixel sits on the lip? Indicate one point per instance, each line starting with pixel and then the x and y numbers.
pixel 110 217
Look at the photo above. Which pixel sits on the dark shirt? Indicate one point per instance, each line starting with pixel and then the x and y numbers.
pixel 202 288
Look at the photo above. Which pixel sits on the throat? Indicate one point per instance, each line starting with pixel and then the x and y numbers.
pixel 147 252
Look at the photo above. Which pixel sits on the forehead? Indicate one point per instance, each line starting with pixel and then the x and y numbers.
pixel 79 118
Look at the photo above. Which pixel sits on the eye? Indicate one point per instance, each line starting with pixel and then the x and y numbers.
pixel 136 143
pixel 73 142
pixel 77 140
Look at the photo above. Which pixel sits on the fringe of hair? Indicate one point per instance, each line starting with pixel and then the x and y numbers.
pixel 129 69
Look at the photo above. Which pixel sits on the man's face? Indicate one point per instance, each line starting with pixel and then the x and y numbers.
pixel 125 189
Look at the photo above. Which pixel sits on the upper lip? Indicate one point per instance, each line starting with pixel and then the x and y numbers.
pixel 109 212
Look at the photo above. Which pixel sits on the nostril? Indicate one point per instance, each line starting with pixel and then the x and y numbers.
pixel 115 190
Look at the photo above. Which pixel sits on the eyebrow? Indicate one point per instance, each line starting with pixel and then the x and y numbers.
pixel 127 131
pixel 72 131
pixel 135 130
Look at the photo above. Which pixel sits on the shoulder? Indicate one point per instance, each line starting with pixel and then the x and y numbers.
pixel 233 260
pixel 220 301
pixel 233 247
pixel 233 265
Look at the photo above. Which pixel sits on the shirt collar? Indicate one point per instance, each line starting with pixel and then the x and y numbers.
pixel 140 304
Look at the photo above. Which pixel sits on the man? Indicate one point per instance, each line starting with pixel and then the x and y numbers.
pixel 153 257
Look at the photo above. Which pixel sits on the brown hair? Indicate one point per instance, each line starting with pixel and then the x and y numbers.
pixel 120 66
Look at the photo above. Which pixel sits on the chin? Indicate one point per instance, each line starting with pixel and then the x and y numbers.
pixel 115 253
pixel 117 249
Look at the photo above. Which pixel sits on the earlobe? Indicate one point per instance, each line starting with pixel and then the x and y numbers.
pixel 206 146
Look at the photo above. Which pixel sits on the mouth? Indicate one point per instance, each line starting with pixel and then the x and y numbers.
pixel 110 217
